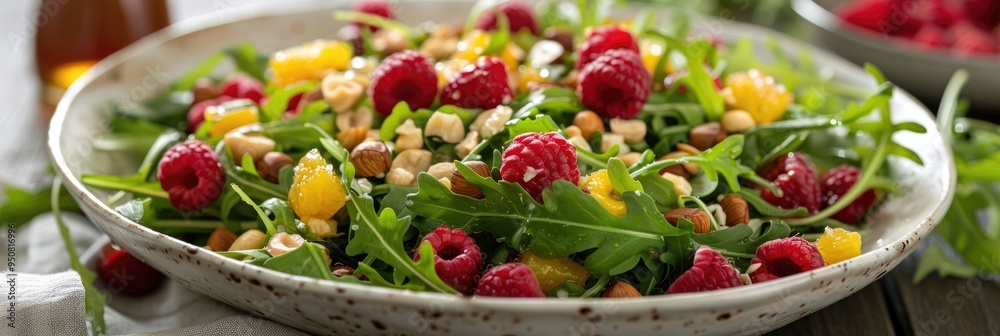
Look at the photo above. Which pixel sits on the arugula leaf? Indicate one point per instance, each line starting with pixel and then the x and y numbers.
pixel 539 124
pixel 268 224
pixel 753 198
pixel 374 21
pixel 742 239
pixel 554 101
pixel 401 113
pixel 718 160
pixel 277 102
pixel 246 58
pixel 500 36
pixel 381 236
pixel 306 260
pixel 934 259
pixel 93 299
pixel 569 222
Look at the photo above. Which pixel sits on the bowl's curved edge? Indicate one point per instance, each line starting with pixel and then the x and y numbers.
pixel 694 301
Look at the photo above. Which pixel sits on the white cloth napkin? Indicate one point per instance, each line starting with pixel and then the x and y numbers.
pixel 49 299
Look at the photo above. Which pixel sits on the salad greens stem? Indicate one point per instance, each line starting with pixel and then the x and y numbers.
pixel 949 104
pixel 598 287
pixel 144 189
pixel 740 255
pixel 93 299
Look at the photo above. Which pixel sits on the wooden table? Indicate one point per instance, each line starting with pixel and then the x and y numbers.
pixel 894 305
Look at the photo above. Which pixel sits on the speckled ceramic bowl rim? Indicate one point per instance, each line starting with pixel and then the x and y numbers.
pixel 689 301
pixel 820 16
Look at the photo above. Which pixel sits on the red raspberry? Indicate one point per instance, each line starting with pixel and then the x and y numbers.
pixel 509 280
pixel 783 257
pixel 604 39
pixel 796 178
pixel 374 7
pixel 710 271
pixel 456 258
pixel 835 183
pixel 191 174
pixel 196 115
pixel 483 86
pixel 971 40
pixel 519 16
pixel 240 86
pixel 404 76
pixel 126 274
pixel 615 85
pixel 536 160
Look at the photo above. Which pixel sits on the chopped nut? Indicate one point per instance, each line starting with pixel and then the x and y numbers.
pixel 240 144
pixel 389 41
pixel 341 93
pixel 371 159
pixel 447 126
pixel 410 137
pixel 443 30
pixel 341 271
pixel 701 220
pixel 446 182
pixel 688 149
pixel 611 139
pixel 737 121
pixel 465 147
pixel 461 186
pixel 588 122
pixel 439 47
pixel 633 130
pixel 545 52
pixel 354 118
pixel 282 243
pixel 492 121
pixel 442 170
pixel 353 136
pixel 580 142
pixel 572 131
pixel 323 228
pixel 707 135
pixel 736 209
pixel 220 239
pixel 631 158
pixel 400 176
pixel 689 168
pixel 621 290
pixel 269 166
pixel 251 240
pixel 413 162
pixel 681 185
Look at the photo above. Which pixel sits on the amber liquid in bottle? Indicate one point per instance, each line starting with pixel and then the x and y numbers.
pixel 74 34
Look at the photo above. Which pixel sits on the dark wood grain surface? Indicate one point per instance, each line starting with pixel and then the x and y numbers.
pixel 894 305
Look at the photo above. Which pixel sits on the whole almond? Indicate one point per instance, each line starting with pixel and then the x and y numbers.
pixel 371 159
pixel 621 289
pixel 736 209
pixel 462 187
pixel 702 223
pixel 221 239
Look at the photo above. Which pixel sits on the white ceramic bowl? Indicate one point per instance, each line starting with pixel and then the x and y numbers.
pixel 328 307
pixel 925 73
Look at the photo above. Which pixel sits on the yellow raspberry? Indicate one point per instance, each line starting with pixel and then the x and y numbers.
pixel 554 272
pixel 598 184
pixel 316 192
pixel 837 245
pixel 754 92
pixel 310 61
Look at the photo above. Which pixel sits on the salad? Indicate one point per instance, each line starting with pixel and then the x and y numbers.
pixel 515 155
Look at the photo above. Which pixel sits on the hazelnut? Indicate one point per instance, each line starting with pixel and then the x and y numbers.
pixel 439 47
pixel 352 137
pixel 204 89
pixel 684 169
pixel 631 158
pixel 269 166
pixel 362 116
pixel 389 41
pixel 633 130
pixel 621 290
pixel 371 159
pixel 702 223
pixel 688 149
pixel 251 240
pixel 737 121
pixel 323 228
pixel 462 187
pixel 282 243
pixel 341 271
pixel 681 185
pixel 706 136
pixel 736 209
pixel 221 239
pixel 588 122
pixel 241 144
